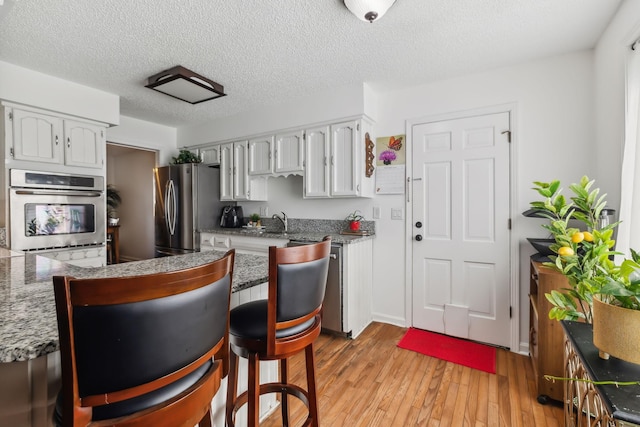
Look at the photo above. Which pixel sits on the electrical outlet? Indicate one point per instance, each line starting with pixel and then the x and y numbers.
pixel 264 211
pixel 376 212
pixel 396 213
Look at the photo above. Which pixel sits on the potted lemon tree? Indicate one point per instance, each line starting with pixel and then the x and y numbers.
pixel 600 291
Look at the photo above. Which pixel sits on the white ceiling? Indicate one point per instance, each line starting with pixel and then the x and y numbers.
pixel 269 52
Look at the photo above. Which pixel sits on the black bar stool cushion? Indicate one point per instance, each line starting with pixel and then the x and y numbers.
pixel 249 321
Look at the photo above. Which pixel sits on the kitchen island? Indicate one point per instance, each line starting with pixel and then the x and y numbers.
pixel 29 356
pixel 28 325
pixel 30 368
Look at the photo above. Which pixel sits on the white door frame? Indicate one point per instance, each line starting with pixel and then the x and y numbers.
pixel 514 283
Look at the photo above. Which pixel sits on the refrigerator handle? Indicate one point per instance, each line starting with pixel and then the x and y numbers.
pixel 166 205
pixel 170 207
pixel 173 208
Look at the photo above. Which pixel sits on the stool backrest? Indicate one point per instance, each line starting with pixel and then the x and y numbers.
pixel 297 283
pixel 123 338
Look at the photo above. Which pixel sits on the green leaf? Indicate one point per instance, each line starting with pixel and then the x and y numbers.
pixel 554 186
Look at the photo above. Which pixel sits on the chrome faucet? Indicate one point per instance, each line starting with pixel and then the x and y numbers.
pixel 283 220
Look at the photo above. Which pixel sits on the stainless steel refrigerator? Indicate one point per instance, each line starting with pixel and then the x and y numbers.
pixel 187 200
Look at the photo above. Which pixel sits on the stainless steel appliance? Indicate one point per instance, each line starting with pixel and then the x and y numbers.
pixel 54 210
pixel 231 217
pixel 332 309
pixel 187 200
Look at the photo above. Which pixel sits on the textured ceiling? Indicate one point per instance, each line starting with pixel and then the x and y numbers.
pixel 269 52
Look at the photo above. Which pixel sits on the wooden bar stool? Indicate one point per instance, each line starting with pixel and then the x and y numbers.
pixel 286 323
pixel 145 350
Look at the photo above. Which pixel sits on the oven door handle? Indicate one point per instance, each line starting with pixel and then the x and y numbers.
pixel 58 193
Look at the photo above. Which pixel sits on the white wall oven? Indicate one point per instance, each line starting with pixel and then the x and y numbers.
pixel 55 211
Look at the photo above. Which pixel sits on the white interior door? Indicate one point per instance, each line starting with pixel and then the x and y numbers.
pixel 460 227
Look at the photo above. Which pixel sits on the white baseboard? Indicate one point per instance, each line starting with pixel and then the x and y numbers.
pixel 392 320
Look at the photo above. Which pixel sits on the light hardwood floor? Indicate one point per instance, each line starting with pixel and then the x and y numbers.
pixel 371 382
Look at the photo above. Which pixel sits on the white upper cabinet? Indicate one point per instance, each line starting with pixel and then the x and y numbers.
pixel 240 175
pixel 316 170
pixel 289 153
pixel 335 161
pixel 210 155
pixel 84 144
pixel 36 137
pixel 39 137
pixel 332 158
pixel 226 171
pixel 260 156
pixel 235 182
pixel 344 169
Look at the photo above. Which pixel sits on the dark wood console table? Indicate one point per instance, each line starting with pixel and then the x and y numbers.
pixel 113 244
pixel 587 404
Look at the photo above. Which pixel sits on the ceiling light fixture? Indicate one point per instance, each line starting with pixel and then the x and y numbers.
pixel 369 10
pixel 185 85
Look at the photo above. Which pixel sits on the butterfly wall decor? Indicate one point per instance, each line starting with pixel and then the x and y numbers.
pixel 395 144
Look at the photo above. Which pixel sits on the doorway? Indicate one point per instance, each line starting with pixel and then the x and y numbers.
pixel 130 171
pixel 460 236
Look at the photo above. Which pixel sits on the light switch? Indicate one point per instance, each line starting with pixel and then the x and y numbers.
pixel 264 211
pixel 376 212
pixel 396 213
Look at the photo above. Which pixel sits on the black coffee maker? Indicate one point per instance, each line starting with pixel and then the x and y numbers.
pixel 231 217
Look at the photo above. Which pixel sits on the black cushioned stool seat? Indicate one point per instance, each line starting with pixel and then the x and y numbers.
pixel 287 323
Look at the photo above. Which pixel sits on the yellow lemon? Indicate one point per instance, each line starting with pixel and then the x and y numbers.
pixel 565 251
pixel 588 236
pixel 577 237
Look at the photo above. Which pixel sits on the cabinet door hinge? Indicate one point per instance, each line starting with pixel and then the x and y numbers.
pixel 11 151
pixel 358 127
pixel 11 116
pixel 509 224
pixel 508 132
pixel 102 133
pixel 304 136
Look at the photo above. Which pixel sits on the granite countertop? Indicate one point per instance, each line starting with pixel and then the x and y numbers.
pixel 298 236
pixel 28 325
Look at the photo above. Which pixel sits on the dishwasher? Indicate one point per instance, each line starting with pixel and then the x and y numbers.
pixel 332 310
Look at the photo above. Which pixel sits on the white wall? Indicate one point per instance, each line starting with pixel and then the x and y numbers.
pixel 28 87
pixel 143 134
pixel 330 105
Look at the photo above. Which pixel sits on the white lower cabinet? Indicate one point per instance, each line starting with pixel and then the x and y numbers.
pixel 242 244
pixel 89 256
pixel 357 286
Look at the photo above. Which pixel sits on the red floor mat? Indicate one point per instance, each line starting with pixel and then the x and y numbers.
pixel 455 350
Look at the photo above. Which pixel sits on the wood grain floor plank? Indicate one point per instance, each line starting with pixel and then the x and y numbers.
pixel 370 382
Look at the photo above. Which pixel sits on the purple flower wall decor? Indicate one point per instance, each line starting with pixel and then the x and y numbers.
pixel 387 156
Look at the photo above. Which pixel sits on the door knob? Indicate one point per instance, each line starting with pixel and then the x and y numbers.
pixel 418 224
pixel 418 237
